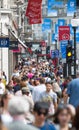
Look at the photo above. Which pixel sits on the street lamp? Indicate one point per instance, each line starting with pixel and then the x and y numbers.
pixel 75 24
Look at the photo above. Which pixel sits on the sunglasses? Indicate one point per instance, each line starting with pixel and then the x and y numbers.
pixel 27 92
pixel 42 113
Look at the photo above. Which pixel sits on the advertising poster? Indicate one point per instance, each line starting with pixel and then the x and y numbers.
pixel 53 38
pixel 61 22
pixel 56 28
pixel 63 45
pixel 34 12
pixel 64 33
pixel 71 7
pixel 51 11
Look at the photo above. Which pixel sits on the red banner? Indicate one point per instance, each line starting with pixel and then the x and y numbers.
pixel 27 10
pixel 64 33
pixel 33 11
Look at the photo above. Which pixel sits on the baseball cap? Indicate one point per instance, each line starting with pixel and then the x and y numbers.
pixel 25 90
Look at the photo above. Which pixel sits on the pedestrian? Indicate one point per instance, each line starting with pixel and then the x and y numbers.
pixel 61 118
pixel 16 71
pixel 38 90
pixel 2 87
pixel 40 113
pixel 76 120
pixel 9 87
pixel 28 97
pixel 26 94
pixel 64 98
pixel 4 78
pixel 72 113
pixel 73 91
pixel 50 97
pixel 57 89
pixel 17 85
pixel 5 116
pixel 18 107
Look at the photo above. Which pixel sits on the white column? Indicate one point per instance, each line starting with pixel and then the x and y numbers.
pixel 4 56
pixel 0 62
pixel 5 60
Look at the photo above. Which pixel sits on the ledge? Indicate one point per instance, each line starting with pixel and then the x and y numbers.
pixel 5 11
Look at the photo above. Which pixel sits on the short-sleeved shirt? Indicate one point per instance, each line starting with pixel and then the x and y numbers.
pixel 73 92
pixel 50 97
pixel 37 91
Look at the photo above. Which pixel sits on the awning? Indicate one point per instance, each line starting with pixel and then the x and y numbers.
pixel 21 42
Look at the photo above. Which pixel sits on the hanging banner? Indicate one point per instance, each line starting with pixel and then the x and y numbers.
pixel 36 20
pixel 71 7
pixel 46 26
pixel 63 46
pixel 71 28
pixel 61 22
pixel 54 54
pixel 57 4
pixel 77 37
pixel 28 8
pixel 64 33
pixel 34 12
pixel 51 11
pixel 56 28
pixel 33 7
pixel 57 53
pixel 53 38
pixel 50 2
pixel 53 5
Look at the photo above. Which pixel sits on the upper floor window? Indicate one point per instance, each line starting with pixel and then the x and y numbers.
pixel 1 3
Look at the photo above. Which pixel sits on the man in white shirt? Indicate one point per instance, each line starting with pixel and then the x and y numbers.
pixel 2 87
pixel 38 90
pixel 50 97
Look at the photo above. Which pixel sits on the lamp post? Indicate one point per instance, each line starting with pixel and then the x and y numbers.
pixel 55 44
pixel 75 24
pixel 74 28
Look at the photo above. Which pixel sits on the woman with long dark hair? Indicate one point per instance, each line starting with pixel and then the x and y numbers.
pixel 76 120
pixel 61 118
pixel 5 116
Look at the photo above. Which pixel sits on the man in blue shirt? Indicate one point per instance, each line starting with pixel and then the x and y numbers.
pixel 73 91
pixel 40 113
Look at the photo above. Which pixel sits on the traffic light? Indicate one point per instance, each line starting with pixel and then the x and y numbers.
pixel 69 53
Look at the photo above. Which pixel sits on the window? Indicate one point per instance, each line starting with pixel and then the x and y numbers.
pixel 1 3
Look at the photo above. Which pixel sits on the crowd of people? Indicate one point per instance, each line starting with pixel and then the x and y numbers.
pixel 38 97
